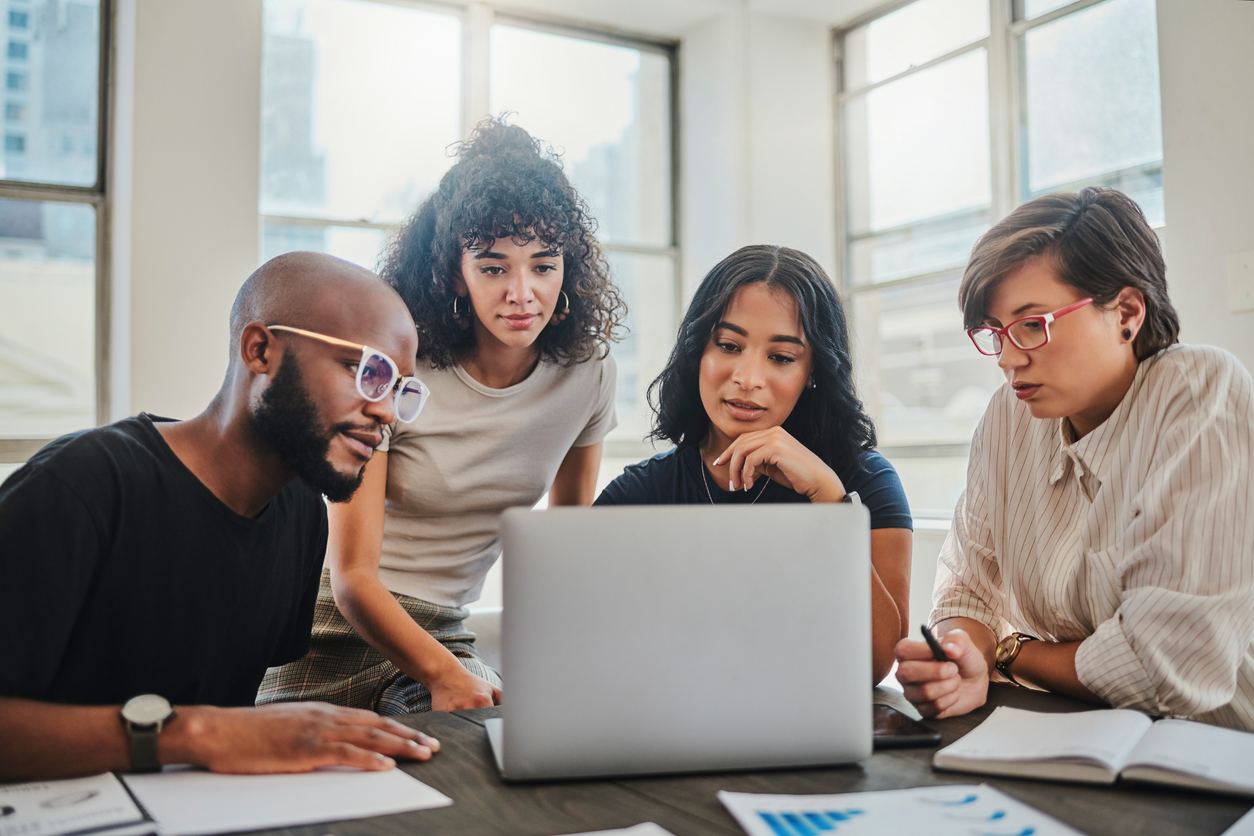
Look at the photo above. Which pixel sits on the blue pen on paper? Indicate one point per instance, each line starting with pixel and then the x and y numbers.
pixel 938 653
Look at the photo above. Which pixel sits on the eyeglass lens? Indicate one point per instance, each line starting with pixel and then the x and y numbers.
pixel 376 377
pixel 410 400
pixel 987 340
pixel 1028 333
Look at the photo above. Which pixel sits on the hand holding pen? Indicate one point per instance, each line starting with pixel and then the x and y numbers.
pixel 942 678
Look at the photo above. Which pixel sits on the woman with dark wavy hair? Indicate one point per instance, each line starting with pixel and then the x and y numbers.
pixel 758 397
pixel 515 310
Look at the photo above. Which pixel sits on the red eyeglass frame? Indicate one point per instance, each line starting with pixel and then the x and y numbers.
pixel 1003 334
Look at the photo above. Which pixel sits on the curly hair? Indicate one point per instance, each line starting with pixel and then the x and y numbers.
pixel 505 184
pixel 829 419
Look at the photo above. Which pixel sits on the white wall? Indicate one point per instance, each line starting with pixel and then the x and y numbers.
pixel 1206 60
pixel 757 151
pixel 187 232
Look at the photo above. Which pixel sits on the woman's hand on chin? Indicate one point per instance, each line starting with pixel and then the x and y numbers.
pixel 777 455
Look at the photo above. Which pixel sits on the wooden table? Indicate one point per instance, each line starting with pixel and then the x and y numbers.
pixel 686 805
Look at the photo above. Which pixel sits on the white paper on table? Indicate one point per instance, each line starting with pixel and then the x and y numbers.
pixel 644 829
pixel 1244 826
pixel 48 808
pixel 190 802
pixel 957 810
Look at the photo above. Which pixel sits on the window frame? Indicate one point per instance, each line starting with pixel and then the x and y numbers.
pixel 477 21
pixel 98 196
pixel 1007 160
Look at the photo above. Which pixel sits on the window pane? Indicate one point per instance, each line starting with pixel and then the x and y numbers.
pixel 921 377
pixel 925 247
pixel 360 102
pixel 47 319
pixel 647 283
pixel 1092 100
pixel 911 36
pixel 51 90
pixel 918 150
pixel 356 244
pixel 607 109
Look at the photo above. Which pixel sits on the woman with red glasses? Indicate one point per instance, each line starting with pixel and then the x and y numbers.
pixel 1104 546
pixel 515 310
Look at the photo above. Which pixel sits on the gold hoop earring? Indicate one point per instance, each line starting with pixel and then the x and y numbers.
pixel 460 316
pixel 561 315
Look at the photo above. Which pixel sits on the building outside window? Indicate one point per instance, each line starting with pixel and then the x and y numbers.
pixel 52 202
pixel 953 112
pixel 362 102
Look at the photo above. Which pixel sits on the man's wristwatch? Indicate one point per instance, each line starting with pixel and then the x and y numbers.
pixel 143 717
pixel 1007 651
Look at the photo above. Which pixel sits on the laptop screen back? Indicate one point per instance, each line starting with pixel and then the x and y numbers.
pixel 669 639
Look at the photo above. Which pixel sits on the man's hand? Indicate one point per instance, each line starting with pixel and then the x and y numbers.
pixel 460 688
pixel 943 689
pixel 289 737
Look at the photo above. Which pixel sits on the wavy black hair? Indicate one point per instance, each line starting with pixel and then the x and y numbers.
pixel 505 184
pixel 829 419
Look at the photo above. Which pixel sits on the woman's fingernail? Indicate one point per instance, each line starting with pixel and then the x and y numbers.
pixel 730 485
pixel 718 461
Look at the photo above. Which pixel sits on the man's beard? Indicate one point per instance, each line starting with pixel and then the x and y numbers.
pixel 287 420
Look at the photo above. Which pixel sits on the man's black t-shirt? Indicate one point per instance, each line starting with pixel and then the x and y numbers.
pixel 678 477
pixel 122 574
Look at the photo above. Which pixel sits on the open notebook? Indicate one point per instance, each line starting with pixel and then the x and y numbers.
pixel 1100 746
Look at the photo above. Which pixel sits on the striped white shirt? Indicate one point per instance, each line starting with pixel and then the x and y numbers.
pixel 1137 540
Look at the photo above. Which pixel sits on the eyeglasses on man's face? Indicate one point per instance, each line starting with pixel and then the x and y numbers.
pixel 1027 334
pixel 377 376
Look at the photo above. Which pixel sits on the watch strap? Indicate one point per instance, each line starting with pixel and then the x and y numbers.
pixel 1014 643
pixel 143 744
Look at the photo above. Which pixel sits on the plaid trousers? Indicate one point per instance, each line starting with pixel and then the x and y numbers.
pixel 341 668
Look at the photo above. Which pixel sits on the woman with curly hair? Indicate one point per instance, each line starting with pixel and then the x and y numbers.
pixel 758 396
pixel 514 310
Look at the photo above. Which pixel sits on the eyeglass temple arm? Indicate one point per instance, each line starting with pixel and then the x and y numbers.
pixel 323 337
pixel 1074 306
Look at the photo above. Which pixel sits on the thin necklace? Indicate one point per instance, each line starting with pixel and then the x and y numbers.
pixel 705 480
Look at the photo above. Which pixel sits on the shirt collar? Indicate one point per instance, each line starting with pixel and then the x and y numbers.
pixel 1091 457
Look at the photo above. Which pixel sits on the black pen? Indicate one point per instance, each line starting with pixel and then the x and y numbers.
pixel 937 652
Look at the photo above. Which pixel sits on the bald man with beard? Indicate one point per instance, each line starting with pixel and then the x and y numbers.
pixel 151 570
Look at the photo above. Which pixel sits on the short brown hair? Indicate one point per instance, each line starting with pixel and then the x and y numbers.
pixel 1099 242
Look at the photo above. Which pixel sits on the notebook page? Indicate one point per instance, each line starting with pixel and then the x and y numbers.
pixel 1012 734
pixel 1220 756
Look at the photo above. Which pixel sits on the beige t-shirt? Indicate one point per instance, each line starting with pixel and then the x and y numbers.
pixel 472 453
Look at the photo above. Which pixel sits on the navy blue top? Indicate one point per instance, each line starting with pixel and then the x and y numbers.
pixel 676 477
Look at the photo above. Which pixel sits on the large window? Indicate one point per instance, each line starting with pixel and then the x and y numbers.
pixel 952 112
pixel 361 101
pixel 52 206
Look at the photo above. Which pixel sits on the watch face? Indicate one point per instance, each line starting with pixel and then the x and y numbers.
pixel 146 709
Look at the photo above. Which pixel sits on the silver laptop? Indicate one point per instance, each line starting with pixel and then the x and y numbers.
pixel 654 639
